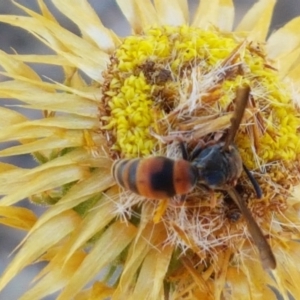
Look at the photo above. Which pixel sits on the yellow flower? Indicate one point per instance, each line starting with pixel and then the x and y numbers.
pixel 172 79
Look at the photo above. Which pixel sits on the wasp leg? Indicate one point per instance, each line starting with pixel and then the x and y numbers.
pixel 255 184
pixel 183 148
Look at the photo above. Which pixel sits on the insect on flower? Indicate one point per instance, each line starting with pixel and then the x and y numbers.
pixel 217 166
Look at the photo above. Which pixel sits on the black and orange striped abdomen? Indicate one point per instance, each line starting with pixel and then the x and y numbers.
pixel 155 177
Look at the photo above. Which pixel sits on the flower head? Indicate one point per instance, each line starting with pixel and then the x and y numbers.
pixel 171 82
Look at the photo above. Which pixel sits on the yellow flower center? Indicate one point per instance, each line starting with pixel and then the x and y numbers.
pixel 177 79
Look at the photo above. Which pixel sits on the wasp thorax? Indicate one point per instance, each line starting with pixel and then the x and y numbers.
pixel 218 167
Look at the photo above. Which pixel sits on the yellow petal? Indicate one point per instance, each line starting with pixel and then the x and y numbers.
pixel 62 41
pixel 88 22
pixel 98 291
pixel 287 272
pixel 91 225
pixel 44 9
pixel 249 282
pixel 15 67
pixel 70 139
pixel 67 122
pixel 9 117
pixel 147 13
pixel 220 280
pixel 206 14
pixel 129 9
pixel 17 60
pixel 44 127
pixel 80 192
pixel 61 225
pixel 7 168
pixel 258 279
pixel 55 177
pixel 17 133
pixel 151 236
pixel 155 266
pixel 198 279
pixel 75 157
pixel 174 14
pixel 111 243
pixel 56 279
pixel 55 60
pixel 294 74
pixel 284 40
pixel 139 14
pixel 30 24
pixel 225 17
pixel 238 287
pixel 257 20
pixel 62 102
pixel 287 62
pixel 10 178
pixel 17 217
pixel 81 89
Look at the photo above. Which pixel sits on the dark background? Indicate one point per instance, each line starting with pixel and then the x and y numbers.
pixel 13 39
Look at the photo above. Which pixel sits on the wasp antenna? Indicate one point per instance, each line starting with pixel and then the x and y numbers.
pixel 242 96
pixel 255 184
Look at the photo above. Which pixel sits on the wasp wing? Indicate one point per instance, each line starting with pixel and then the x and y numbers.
pixel 242 96
pixel 265 252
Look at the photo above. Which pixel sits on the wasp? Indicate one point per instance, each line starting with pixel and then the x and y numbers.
pixel 215 167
